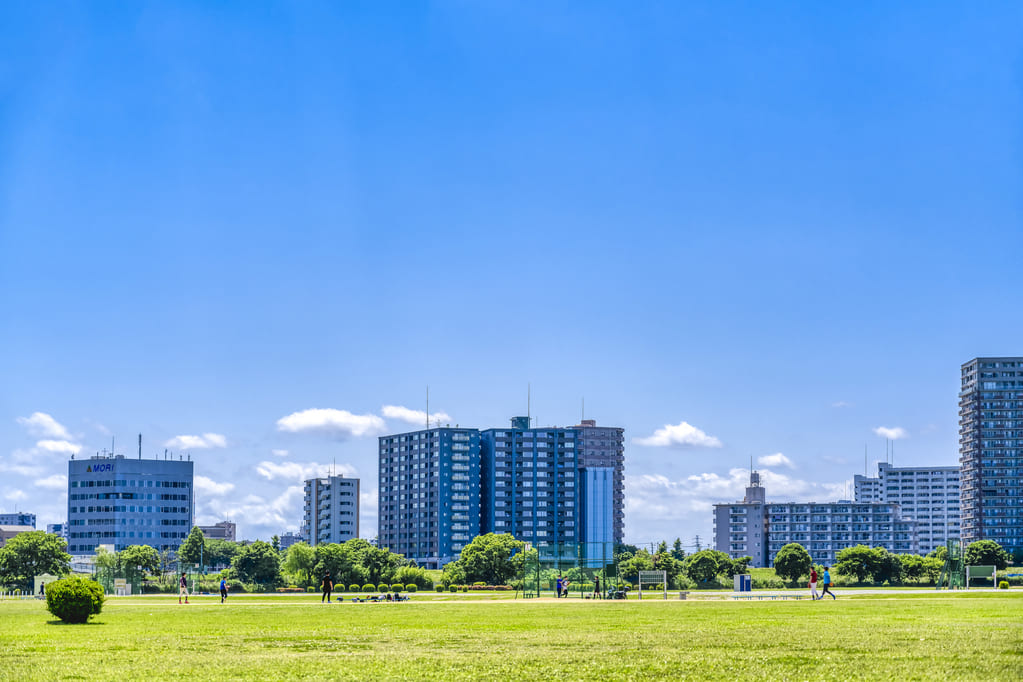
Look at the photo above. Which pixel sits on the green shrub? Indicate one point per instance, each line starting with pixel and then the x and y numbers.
pixel 355 588
pixel 453 588
pixel 383 587
pixel 768 583
pixel 438 587
pixel 479 583
pixel 310 589
pixel 369 587
pixel 411 587
pixel 465 588
pixel 397 587
pixel 1004 585
pixel 74 599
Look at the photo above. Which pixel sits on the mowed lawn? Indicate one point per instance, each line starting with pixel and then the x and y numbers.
pixel 911 636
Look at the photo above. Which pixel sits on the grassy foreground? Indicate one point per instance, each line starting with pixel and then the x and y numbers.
pixel 948 636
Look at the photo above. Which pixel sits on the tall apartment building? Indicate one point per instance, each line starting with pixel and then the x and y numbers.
pixel 117 501
pixel 928 495
pixel 602 462
pixel 531 483
pixel 824 529
pixel 331 510
pixel 991 450
pixel 290 538
pixel 429 493
pixel 58 529
pixel 224 530
pixel 18 519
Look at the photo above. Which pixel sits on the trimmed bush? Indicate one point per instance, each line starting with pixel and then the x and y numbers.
pixel 439 587
pixel 74 599
pixel 465 588
pixel 310 589
pixel 453 588
pixel 369 587
pixel 1004 585
pixel 411 587
pixel 383 587
pixel 397 587
pixel 355 588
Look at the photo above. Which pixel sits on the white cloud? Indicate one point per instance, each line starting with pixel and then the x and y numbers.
pixel 775 460
pixel 840 404
pixel 207 486
pixel 16 495
pixel 299 471
pixel 280 453
pixel 203 442
pixel 417 417
pixel 337 423
pixel 682 435
pixel 62 447
pixel 42 425
pixel 54 482
pixel 894 433
pixel 21 469
pixel 262 517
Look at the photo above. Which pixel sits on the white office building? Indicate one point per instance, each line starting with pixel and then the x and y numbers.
pixel 927 495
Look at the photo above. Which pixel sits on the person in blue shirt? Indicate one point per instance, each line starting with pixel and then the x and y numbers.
pixel 827 585
pixel 223 590
pixel 558 588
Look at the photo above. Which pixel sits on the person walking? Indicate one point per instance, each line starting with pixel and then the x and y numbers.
pixel 597 594
pixel 327 586
pixel 558 586
pixel 183 588
pixel 827 585
pixel 813 582
pixel 223 590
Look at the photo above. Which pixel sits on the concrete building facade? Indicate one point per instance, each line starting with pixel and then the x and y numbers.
pixel 331 510
pixel 429 493
pixel 991 450
pixel 927 495
pixel 224 530
pixel 117 501
pixel 18 519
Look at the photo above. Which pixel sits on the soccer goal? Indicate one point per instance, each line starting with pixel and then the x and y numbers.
pixel 982 573
pixel 654 578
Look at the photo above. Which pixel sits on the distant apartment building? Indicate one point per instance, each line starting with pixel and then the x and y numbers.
pixel 759 529
pixel 18 519
pixel 991 450
pixel 429 493
pixel 331 510
pixel 8 532
pixel 927 495
pixel 290 538
pixel 224 530
pixel 58 529
pixel 602 463
pixel 117 501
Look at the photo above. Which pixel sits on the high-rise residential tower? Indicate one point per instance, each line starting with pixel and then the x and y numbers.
pixel 928 495
pixel 602 463
pixel 429 494
pixel 113 500
pixel 331 510
pixel 991 450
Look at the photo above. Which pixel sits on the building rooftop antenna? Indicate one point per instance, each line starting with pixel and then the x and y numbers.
pixel 529 397
pixel 140 446
pixel 428 406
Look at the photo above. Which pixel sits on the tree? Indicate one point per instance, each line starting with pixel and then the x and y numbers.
pixel 986 553
pixel 453 574
pixel 932 569
pixel 493 558
pixel 33 553
pixel 739 566
pixel 275 542
pixel 676 550
pixel 193 549
pixel 220 552
pixel 860 561
pixel 939 553
pixel 889 567
pixel 912 566
pixel 300 560
pixel 142 557
pixel 640 561
pixel 258 563
pixel 342 561
pixel 702 566
pixel 792 562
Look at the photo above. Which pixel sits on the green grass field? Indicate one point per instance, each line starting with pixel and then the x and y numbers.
pixel 479 636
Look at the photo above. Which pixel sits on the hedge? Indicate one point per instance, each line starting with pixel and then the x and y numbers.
pixel 411 587
pixel 74 599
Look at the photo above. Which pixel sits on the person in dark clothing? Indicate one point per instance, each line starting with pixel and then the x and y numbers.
pixel 223 590
pixel 597 594
pixel 183 589
pixel 328 587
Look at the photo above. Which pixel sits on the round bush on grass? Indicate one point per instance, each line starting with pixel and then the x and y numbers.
pixel 369 587
pixel 438 587
pixel 411 587
pixel 1004 585
pixel 354 588
pixel 398 587
pixel 383 587
pixel 453 588
pixel 74 599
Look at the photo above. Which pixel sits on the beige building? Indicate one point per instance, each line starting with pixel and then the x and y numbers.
pixel 225 530
pixel 8 532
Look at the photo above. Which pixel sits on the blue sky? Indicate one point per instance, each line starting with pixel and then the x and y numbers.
pixel 784 226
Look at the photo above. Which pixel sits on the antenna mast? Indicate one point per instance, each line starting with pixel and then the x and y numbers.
pixel 427 406
pixel 529 397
